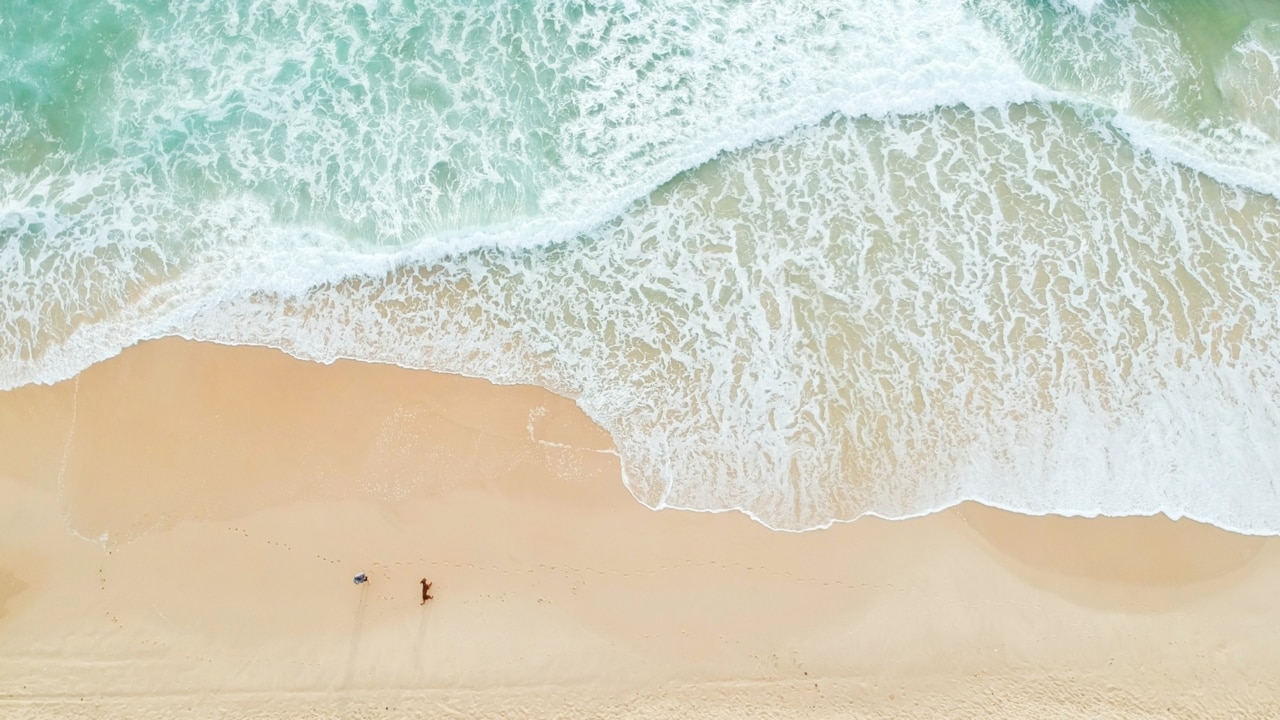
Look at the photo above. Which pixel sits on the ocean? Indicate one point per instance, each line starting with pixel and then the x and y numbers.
pixel 808 260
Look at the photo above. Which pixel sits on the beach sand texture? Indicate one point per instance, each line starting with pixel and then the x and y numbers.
pixel 179 527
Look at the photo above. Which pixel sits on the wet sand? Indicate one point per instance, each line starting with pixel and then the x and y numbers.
pixel 179 527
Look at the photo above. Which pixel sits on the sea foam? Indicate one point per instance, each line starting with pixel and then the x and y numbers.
pixel 878 317
pixel 800 261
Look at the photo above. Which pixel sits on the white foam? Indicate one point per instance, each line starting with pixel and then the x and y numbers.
pixel 1086 7
pixel 206 110
pixel 879 314
pixel 1136 62
pixel 688 328
pixel 1236 154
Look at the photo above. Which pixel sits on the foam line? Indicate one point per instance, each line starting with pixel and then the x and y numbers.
pixel 799 261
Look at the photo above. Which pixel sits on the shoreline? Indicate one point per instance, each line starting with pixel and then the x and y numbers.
pixel 951 507
pixel 239 489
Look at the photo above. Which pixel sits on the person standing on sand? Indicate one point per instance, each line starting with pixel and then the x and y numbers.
pixel 360 579
pixel 426 586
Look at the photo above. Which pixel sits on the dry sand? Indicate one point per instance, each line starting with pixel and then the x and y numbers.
pixel 179 527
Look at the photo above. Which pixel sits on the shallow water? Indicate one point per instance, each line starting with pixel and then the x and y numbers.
pixel 809 261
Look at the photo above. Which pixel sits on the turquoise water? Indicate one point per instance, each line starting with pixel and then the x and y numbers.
pixel 805 260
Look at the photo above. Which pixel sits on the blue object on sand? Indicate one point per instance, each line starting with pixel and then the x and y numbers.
pixel 361 578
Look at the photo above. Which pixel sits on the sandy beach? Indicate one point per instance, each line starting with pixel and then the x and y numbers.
pixel 179 528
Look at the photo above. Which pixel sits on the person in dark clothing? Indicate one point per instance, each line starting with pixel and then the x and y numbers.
pixel 426 591
pixel 360 579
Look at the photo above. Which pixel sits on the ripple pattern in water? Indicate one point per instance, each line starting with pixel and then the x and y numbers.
pixel 887 317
